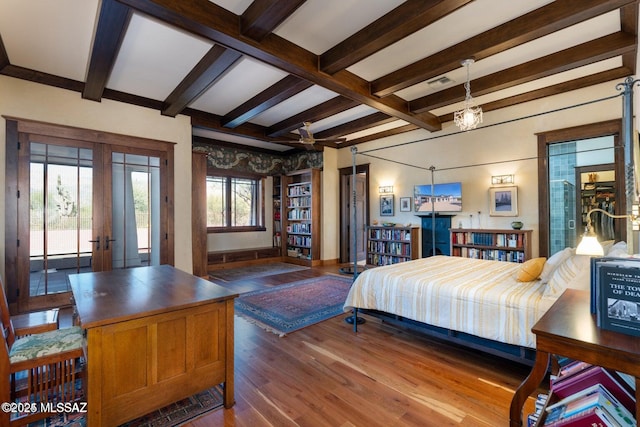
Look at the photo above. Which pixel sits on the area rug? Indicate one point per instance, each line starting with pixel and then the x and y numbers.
pixel 172 415
pixel 253 271
pixel 293 306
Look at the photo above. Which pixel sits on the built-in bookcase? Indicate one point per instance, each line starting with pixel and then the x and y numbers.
pixel 498 245
pixel 301 216
pixel 391 245
pixel 277 212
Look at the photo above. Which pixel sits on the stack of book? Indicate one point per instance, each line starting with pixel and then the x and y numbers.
pixel 591 395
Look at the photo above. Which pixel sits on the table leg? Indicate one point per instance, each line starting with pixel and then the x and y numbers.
pixel 528 386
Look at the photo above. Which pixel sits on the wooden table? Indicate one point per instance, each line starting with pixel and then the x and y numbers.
pixel 155 335
pixel 569 329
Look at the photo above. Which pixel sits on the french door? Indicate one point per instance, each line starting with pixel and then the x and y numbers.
pixel 90 206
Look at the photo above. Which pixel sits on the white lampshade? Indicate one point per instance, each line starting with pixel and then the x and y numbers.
pixel 590 246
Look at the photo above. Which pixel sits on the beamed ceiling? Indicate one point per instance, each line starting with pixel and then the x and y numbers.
pixel 250 72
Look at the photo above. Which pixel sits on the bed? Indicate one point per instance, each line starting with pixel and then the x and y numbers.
pixel 480 302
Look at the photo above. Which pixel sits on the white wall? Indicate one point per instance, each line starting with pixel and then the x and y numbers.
pixel 473 157
pixel 330 249
pixel 27 100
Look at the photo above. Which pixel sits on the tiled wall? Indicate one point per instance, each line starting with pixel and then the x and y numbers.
pixel 562 163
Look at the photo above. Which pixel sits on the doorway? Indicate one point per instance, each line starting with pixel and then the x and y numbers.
pixel 347 213
pixel 571 164
pixel 91 206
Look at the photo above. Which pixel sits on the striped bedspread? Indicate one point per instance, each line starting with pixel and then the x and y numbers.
pixel 474 296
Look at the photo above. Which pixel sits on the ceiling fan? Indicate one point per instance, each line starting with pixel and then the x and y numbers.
pixel 307 138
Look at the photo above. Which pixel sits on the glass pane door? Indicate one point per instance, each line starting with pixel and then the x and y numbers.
pixel 60 216
pixel 135 211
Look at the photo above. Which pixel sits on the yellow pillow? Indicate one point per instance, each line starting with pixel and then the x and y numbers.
pixel 531 270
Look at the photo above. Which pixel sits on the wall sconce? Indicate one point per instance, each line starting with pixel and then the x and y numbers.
pixel 501 179
pixel 589 244
pixel 385 189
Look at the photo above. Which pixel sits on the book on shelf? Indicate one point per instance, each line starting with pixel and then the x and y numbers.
pixel 591 417
pixel 574 407
pixel 609 379
pixel 541 401
pixel 616 294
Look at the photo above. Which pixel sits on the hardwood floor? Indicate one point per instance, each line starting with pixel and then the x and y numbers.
pixel 327 375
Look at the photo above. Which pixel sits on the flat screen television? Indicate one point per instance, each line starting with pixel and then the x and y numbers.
pixel 445 198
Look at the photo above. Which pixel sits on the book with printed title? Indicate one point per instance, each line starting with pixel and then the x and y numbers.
pixel 618 295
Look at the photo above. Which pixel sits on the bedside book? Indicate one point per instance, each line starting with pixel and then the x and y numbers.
pixel 596 375
pixel 592 417
pixel 580 403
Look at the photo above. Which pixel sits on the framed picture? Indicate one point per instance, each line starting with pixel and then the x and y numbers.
pixel 405 204
pixel 503 201
pixel 386 205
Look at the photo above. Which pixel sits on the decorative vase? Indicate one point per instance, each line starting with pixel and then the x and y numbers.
pixel 516 225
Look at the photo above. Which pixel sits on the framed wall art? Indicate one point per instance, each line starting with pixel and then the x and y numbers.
pixel 386 205
pixel 503 201
pixel 405 204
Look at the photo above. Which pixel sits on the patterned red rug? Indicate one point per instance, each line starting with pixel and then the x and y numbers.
pixel 293 306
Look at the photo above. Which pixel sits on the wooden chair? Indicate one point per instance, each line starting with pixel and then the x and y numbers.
pixel 38 368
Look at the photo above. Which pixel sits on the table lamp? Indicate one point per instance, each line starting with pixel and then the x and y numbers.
pixel 589 244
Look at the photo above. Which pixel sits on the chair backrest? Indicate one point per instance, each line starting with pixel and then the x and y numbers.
pixel 8 332
pixel 5 345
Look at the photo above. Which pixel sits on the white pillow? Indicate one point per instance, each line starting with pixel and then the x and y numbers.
pixel 607 245
pixel 619 250
pixel 574 272
pixel 553 262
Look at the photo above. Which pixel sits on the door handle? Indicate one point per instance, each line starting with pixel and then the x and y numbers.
pixel 106 242
pixel 97 242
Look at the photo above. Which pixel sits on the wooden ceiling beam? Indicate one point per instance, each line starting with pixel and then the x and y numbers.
pixel 206 19
pixel 404 20
pixel 538 23
pixel 4 57
pixel 264 16
pixel 42 78
pixel 587 53
pixel 375 119
pixel 213 65
pixel 281 91
pixel 203 120
pixel 378 135
pixel 113 21
pixel 326 109
pixel 564 87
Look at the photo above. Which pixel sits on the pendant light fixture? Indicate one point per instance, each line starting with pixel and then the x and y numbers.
pixel 471 115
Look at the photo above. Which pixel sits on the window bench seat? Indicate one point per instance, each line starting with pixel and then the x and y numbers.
pixel 218 259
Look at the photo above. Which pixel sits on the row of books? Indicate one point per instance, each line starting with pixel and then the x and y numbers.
pixel 394 248
pixel 379 259
pixel 299 228
pixel 510 240
pixel 301 189
pixel 301 241
pixel 591 395
pixel 389 234
pixel 299 202
pixel 541 401
pixel 299 214
pixel 490 254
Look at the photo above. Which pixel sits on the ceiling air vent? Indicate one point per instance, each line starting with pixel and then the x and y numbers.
pixel 439 82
